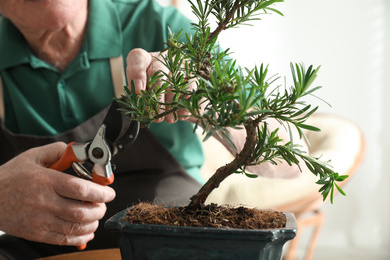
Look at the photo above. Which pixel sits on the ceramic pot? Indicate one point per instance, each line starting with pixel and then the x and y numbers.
pixel 159 242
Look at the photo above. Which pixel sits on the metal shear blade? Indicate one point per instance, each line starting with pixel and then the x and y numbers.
pixel 107 142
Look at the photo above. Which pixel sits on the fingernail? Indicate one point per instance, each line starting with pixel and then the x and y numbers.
pixel 170 120
pixel 159 120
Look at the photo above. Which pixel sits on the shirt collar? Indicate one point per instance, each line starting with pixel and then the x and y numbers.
pixel 14 50
pixel 103 38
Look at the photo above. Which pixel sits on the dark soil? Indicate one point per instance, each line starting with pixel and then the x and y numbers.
pixel 208 216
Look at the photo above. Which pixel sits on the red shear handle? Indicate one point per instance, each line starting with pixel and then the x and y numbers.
pixel 82 247
pixel 66 159
pixel 102 180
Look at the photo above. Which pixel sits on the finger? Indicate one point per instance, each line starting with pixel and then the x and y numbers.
pixel 78 211
pixel 184 114
pixel 157 66
pixel 138 62
pixel 72 187
pixel 171 117
pixel 61 226
pixel 73 228
pixel 66 240
pixel 51 229
pixel 50 153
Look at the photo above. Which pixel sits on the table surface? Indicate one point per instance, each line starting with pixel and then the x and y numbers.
pixel 103 254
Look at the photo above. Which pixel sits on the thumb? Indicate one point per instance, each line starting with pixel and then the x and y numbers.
pixel 50 153
pixel 138 63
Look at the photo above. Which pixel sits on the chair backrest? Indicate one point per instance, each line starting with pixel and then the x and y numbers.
pixel 343 143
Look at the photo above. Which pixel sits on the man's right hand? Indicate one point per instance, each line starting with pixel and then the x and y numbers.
pixel 45 205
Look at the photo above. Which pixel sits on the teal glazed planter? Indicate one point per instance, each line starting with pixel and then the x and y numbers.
pixel 159 242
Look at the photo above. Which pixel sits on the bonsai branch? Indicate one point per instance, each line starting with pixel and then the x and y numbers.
pixel 229 16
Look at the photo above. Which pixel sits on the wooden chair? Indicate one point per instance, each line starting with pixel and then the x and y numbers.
pixel 340 141
pixel 307 210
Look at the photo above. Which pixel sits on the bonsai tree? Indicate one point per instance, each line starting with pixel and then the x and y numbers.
pixel 228 96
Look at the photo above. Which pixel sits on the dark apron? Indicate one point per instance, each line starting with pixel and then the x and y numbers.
pixel 144 172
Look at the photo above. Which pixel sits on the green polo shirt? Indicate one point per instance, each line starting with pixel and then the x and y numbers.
pixel 40 100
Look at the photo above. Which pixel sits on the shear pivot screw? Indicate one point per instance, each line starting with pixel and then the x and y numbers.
pixel 97 152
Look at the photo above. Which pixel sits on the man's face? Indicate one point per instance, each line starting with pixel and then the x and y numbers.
pixel 41 14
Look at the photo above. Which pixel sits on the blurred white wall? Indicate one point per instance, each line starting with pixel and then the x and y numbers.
pixel 350 40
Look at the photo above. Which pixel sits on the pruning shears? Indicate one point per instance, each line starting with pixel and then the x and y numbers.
pixel 107 142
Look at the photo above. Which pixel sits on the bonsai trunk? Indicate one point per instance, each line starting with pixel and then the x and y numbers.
pixel 242 159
